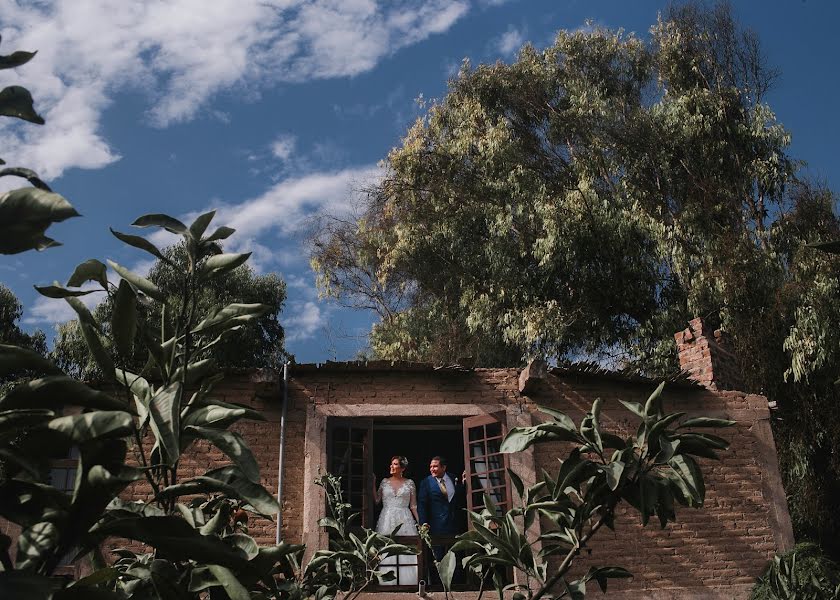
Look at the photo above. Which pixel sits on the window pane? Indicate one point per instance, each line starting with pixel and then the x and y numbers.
pixel 477 433
pixel 493 430
pixel 495 462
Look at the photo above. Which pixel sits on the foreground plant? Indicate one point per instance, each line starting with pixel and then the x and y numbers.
pixel 653 471
pixel 137 430
pixel 351 565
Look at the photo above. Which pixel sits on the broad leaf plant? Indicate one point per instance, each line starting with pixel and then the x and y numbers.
pixel 653 471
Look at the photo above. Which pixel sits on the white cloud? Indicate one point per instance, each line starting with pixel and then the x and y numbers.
pixel 303 320
pixel 510 42
pixel 187 51
pixel 284 146
pixel 284 210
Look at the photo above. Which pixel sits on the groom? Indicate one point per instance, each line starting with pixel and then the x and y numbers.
pixel 440 501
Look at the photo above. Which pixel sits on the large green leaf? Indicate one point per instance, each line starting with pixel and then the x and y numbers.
pixel 218 416
pixel 232 444
pixel 446 568
pixel 136 384
pixel 689 478
pixel 220 234
pixel 35 544
pixel 17 420
pixel 138 282
pixel 16 59
pixel 16 101
pixel 229 480
pixel 707 422
pixel 102 475
pixel 560 417
pixel 88 426
pixel 602 574
pixel 199 226
pixel 90 270
pixel 28 174
pixel 654 403
pixel 229 316
pixel 165 413
pixel 196 371
pixel 164 576
pixel 57 391
pixel 14 359
pixel 141 243
pixel 245 543
pixel 175 539
pixel 124 318
pixel 171 224
pixel 27 502
pixel 204 577
pixel 56 290
pixel 222 263
pixel 90 331
pixel 25 214
pixel 520 438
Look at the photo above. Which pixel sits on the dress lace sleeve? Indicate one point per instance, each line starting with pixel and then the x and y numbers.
pixel 412 502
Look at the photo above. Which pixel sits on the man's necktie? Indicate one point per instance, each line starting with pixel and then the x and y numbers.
pixel 442 485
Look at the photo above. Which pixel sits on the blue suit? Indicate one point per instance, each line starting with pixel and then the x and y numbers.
pixel 434 507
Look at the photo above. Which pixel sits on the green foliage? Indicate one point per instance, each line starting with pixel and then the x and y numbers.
pixel 587 200
pixel 803 573
pixel 258 343
pixel 583 199
pixel 26 213
pixel 11 311
pixel 193 547
pixel 352 561
pixel 653 471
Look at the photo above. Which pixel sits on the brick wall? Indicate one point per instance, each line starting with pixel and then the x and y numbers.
pixel 716 551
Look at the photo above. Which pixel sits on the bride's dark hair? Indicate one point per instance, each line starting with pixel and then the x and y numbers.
pixel 402 459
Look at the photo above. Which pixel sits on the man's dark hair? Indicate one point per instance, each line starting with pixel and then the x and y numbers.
pixel 440 459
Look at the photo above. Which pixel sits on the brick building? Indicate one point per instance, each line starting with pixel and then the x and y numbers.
pixel 349 418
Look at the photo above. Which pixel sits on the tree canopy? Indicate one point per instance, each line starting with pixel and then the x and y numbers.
pixel 586 201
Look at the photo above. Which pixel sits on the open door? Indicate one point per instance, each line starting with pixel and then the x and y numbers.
pixel 349 451
pixel 485 464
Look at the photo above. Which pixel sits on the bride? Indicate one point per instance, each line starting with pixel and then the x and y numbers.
pixel 399 516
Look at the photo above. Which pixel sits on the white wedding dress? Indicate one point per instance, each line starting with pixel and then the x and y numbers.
pixel 396 513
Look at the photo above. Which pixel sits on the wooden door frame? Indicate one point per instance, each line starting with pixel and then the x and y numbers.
pixel 316 458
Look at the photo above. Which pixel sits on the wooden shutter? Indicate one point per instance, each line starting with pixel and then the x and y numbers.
pixel 348 449
pixel 486 466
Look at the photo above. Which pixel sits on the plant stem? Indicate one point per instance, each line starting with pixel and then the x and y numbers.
pixel 567 562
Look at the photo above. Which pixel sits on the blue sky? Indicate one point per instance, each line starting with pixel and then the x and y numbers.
pixel 275 111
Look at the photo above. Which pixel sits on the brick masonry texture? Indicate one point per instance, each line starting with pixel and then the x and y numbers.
pixel 716 551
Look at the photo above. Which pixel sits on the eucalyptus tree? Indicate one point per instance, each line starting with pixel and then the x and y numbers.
pixel 587 200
